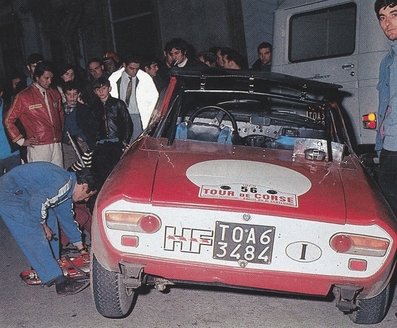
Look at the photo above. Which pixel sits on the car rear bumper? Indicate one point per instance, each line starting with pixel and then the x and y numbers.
pixel 204 274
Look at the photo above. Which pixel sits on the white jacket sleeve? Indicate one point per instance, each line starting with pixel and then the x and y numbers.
pixel 146 96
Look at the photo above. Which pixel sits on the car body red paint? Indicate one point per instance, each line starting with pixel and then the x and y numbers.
pixel 245 212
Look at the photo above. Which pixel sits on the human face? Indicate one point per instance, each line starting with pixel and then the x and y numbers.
pixel 71 97
pixel 388 22
pixel 228 64
pixel 265 56
pixel 45 80
pixel 219 58
pixel 32 67
pixel 81 193
pixel 168 59
pixel 201 58
pixel 132 69
pixel 95 69
pixel 177 55
pixel 103 92
pixel 68 75
pixel 110 66
pixel 152 69
pixel 14 82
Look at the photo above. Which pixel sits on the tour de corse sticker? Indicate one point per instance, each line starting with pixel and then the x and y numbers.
pixel 248 181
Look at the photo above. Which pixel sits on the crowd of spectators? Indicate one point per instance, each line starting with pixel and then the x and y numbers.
pixel 79 118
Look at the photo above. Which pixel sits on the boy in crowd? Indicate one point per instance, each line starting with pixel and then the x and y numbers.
pixel 79 123
pixel 114 128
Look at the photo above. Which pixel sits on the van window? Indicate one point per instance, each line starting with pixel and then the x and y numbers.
pixel 324 33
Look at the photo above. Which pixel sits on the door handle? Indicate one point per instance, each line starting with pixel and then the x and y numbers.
pixel 348 66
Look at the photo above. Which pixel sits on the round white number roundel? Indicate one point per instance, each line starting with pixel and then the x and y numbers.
pixel 241 172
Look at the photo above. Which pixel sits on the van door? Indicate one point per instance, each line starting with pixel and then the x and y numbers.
pixel 321 40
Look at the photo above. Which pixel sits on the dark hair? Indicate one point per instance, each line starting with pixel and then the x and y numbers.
pixel 215 49
pixel 178 44
pixel 266 45
pixel 99 82
pixel 132 59
pixel 380 4
pixel 42 67
pixel 111 55
pixel 86 176
pixel 63 68
pixel 146 62
pixel 70 85
pixel 94 60
pixel 34 58
pixel 234 56
pixel 208 56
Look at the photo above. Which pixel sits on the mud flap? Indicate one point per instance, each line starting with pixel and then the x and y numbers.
pixel 345 297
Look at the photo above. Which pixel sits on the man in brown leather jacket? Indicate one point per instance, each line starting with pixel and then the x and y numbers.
pixel 39 110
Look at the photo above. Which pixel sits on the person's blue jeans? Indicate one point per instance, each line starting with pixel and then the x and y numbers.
pixel 388 177
pixel 28 231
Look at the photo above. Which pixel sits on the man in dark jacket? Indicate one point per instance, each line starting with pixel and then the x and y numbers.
pixel 114 128
pixel 182 54
pixel 264 61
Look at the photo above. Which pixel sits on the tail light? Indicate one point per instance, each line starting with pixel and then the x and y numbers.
pixel 369 121
pixel 359 244
pixel 132 221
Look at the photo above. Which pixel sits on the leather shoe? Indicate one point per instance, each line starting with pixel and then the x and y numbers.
pixel 70 286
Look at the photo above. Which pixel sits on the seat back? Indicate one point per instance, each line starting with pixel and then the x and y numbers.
pixel 203 132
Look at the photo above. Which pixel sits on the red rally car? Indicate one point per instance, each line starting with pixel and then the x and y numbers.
pixel 248 180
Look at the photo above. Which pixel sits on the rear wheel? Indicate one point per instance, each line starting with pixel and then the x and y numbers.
pixel 371 310
pixel 112 298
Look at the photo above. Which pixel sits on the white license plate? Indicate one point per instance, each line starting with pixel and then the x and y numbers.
pixel 246 242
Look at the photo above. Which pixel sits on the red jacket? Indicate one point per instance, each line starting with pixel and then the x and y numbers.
pixel 38 121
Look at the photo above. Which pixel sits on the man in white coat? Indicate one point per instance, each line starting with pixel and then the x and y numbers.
pixel 137 89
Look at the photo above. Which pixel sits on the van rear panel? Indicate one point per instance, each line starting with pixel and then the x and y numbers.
pixel 335 41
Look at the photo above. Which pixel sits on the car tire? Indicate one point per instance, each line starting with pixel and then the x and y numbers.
pixel 372 310
pixel 112 298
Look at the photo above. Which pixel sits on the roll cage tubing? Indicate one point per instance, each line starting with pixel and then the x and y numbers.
pixel 303 97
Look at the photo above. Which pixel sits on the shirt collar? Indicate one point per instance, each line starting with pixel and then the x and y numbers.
pixel 38 86
pixel 183 64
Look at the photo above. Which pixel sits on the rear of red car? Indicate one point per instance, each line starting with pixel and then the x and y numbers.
pixel 271 218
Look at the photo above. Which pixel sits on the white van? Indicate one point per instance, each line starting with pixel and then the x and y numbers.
pixel 337 41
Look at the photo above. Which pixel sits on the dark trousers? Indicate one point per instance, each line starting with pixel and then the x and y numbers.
pixel 106 155
pixel 388 177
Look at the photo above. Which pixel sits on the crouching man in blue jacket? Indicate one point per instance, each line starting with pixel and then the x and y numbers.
pixel 34 199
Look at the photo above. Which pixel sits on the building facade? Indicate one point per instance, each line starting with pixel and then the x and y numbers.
pixel 75 30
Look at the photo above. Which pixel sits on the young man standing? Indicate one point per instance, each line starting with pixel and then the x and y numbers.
pixel 36 199
pixel 137 89
pixel 39 110
pixel 264 61
pixel 386 137
pixel 114 129
pixel 79 124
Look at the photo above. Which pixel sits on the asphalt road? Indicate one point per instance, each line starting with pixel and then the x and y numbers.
pixel 25 306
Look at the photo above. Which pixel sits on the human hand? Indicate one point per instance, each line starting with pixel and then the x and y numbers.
pixel 48 232
pixel 126 146
pixel 83 249
pixel 30 142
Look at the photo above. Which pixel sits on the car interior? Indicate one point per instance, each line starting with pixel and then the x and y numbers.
pixel 270 119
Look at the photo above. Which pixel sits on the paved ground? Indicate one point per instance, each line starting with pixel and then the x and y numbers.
pixel 26 306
